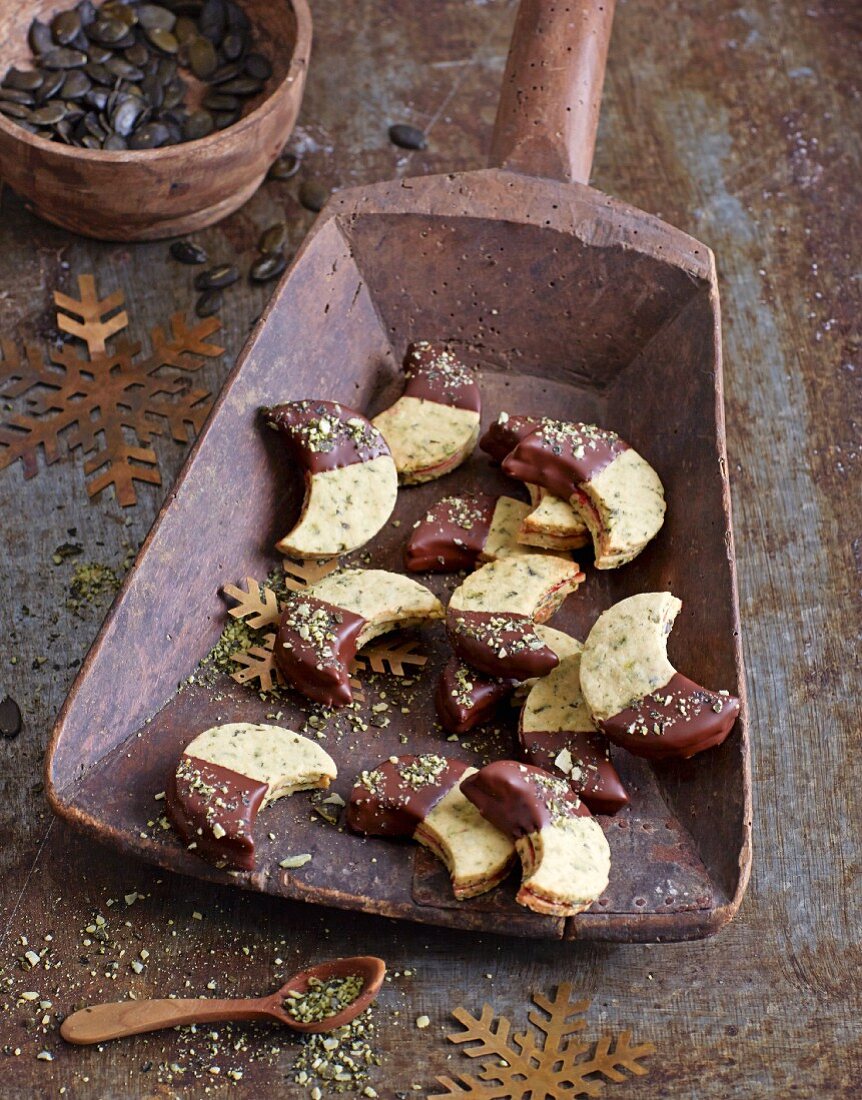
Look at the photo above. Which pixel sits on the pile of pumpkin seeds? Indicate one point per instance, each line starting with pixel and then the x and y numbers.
pixel 118 76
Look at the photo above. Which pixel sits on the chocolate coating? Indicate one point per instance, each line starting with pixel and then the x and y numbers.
pixel 465 698
pixel 434 373
pixel 561 456
pixel 324 435
pixel 503 436
pixel 395 797
pixel 314 646
pixel 499 644
pixel 451 535
pixel 678 720
pixel 201 795
pixel 520 799
pixel 593 777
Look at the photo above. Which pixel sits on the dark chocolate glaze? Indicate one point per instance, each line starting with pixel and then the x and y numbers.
pixel 678 720
pixel 561 456
pixel 201 795
pixel 504 435
pixel 434 373
pixel 520 799
pixel 314 647
pixel 324 435
pixel 466 698
pixel 451 535
pixel 595 778
pixel 393 799
pixel 499 644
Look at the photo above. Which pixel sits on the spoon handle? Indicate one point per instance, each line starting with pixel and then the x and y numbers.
pixel 111 1021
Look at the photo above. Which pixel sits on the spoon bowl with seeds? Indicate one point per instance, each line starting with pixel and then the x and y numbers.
pixel 136 121
pixel 322 998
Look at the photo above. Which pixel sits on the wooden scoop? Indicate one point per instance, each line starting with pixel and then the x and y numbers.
pixel 98 1023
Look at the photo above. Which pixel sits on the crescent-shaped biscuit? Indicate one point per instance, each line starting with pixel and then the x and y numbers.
pixel 351 482
pixel 552 523
pixel 459 531
pixel 492 615
pixel 420 797
pixel 466 698
pixel 556 732
pixel 635 695
pixel 227 774
pixel 610 486
pixel 565 857
pixel 321 628
pixel 433 427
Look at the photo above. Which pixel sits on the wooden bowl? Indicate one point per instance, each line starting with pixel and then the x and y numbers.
pixel 153 193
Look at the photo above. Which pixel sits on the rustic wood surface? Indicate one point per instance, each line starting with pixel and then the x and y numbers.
pixel 739 125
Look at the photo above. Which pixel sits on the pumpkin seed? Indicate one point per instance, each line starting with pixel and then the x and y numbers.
pixel 14 110
pixel 203 59
pixel 106 30
pixel 25 80
pixel 216 101
pixel 284 168
pixel 39 37
pixel 114 143
pixel 185 30
pixel 258 67
pixel 209 303
pixel 76 85
pixel 125 70
pixel 126 114
pixel 65 26
pixel 212 20
pixel 99 54
pixel 313 195
pixel 217 278
pixel 15 95
pixel 187 252
pixel 124 13
pixel 407 137
pixel 241 85
pixel 223 119
pixel 233 45
pixel 137 55
pixel 270 265
pixel 163 40
pixel 64 58
pixel 52 112
pixel 149 136
pixel 154 17
pixel 86 12
pixel 51 85
pixel 198 125
pixel 226 72
pixel 272 238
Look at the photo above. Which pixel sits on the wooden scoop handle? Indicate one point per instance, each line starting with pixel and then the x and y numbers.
pixel 112 1021
pixel 552 91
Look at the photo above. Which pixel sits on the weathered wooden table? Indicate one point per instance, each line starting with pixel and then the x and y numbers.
pixel 739 125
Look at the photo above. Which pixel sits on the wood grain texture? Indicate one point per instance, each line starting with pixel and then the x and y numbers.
pixel 738 125
pixel 155 193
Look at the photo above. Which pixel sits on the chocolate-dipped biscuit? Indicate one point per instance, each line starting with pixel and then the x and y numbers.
pixel 635 695
pixel 227 774
pixel 322 627
pixel 433 427
pixel 552 523
pixel 564 855
pixel 459 531
pixel 420 797
pixel 491 616
pixel 465 698
pixel 351 482
pixel 556 732
pixel 609 485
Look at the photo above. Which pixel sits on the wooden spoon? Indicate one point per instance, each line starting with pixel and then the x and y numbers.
pixel 112 1021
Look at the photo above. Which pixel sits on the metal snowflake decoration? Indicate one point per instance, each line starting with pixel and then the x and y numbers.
pixel 555 1066
pixel 109 402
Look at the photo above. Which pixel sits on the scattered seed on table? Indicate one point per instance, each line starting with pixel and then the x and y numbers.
pixel 208 303
pixel 407 137
pixel 313 195
pixel 10 717
pixel 273 237
pixel 284 168
pixel 217 278
pixel 268 267
pixel 187 252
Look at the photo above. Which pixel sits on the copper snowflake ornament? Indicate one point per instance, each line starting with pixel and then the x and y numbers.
pixel 110 402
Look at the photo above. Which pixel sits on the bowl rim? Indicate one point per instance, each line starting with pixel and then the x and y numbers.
pixel 298 61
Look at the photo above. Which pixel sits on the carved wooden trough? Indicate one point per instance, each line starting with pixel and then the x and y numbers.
pixel 570 303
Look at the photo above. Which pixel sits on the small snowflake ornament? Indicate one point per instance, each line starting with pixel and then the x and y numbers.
pixel 108 402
